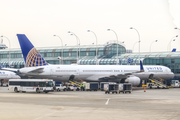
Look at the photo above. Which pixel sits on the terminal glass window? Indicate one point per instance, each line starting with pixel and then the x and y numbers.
pixel 57 54
pixel 100 53
pixel 49 54
pixel 42 54
pixel 66 54
pixel 91 53
pixel 83 53
pixel 45 54
pixel 3 56
pixel 73 54
pixel 19 55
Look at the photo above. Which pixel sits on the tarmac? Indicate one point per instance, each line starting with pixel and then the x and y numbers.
pixel 154 104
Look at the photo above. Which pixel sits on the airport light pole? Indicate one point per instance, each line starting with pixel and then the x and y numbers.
pixel 176 28
pixel 96 44
pixel 123 43
pixel 9 47
pixel 151 44
pixel 134 45
pixel 61 50
pixel 78 44
pixel 139 39
pixel 116 43
pixel 169 44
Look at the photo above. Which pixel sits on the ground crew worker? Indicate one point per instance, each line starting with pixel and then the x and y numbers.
pixel 83 87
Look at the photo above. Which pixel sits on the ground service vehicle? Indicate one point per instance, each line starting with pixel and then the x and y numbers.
pixel 114 88
pixel 125 87
pixel 92 86
pixel 31 85
pixel 175 83
pixel 102 85
pixel 60 87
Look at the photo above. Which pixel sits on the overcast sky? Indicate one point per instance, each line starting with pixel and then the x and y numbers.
pixel 41 19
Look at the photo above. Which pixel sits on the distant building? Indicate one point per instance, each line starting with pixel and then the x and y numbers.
pixel 3 46
pixel 107 55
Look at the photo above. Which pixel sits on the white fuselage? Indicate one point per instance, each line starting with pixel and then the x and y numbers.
pixel 96 72
pixel 8 75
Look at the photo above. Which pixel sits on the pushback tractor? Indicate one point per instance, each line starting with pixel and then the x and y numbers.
pixel 31 85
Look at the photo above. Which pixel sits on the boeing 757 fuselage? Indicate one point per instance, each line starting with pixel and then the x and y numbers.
pixel 36 66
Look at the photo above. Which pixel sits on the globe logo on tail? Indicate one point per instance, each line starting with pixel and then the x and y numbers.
pixel 35 59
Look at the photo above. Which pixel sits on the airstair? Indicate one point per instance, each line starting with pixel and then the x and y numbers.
pixel 158 82
pixel 76 83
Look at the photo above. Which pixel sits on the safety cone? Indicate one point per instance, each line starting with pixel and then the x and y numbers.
pixel 144 89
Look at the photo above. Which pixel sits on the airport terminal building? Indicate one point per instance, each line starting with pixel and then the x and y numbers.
pixel 86 55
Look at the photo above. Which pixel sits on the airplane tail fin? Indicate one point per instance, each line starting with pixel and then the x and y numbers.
pixel 31 56
pixel 141 67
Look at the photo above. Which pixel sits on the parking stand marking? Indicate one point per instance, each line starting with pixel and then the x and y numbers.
pixel 107 102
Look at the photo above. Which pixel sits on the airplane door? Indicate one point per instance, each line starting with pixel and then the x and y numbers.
pixel 77 72
pixel 48 71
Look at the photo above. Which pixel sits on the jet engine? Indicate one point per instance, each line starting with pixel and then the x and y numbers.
pixel 135 81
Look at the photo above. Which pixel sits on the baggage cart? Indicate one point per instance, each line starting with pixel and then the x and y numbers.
pixel 114 88
pixel 125 87
pixel 92 86
pixel 102 85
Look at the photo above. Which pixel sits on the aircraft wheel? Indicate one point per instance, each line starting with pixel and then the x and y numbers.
pixel 15 89
pixel 37 90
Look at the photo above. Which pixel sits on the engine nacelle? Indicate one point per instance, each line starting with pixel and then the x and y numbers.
pixel 135 81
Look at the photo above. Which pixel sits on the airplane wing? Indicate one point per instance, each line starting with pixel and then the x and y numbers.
pixel 10 69
pixel 38 70
pixel 120 76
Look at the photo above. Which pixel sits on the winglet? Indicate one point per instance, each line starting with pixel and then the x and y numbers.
pixel 141 67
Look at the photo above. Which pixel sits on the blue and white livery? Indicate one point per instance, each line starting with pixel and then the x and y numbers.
pixel 36 66
pixel 31 56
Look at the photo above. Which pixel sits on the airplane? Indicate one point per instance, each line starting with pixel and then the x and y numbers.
pixel 6 75
pixel 36 66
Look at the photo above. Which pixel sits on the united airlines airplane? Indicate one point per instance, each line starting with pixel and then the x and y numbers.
pixel 6 75
pixel 36 66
